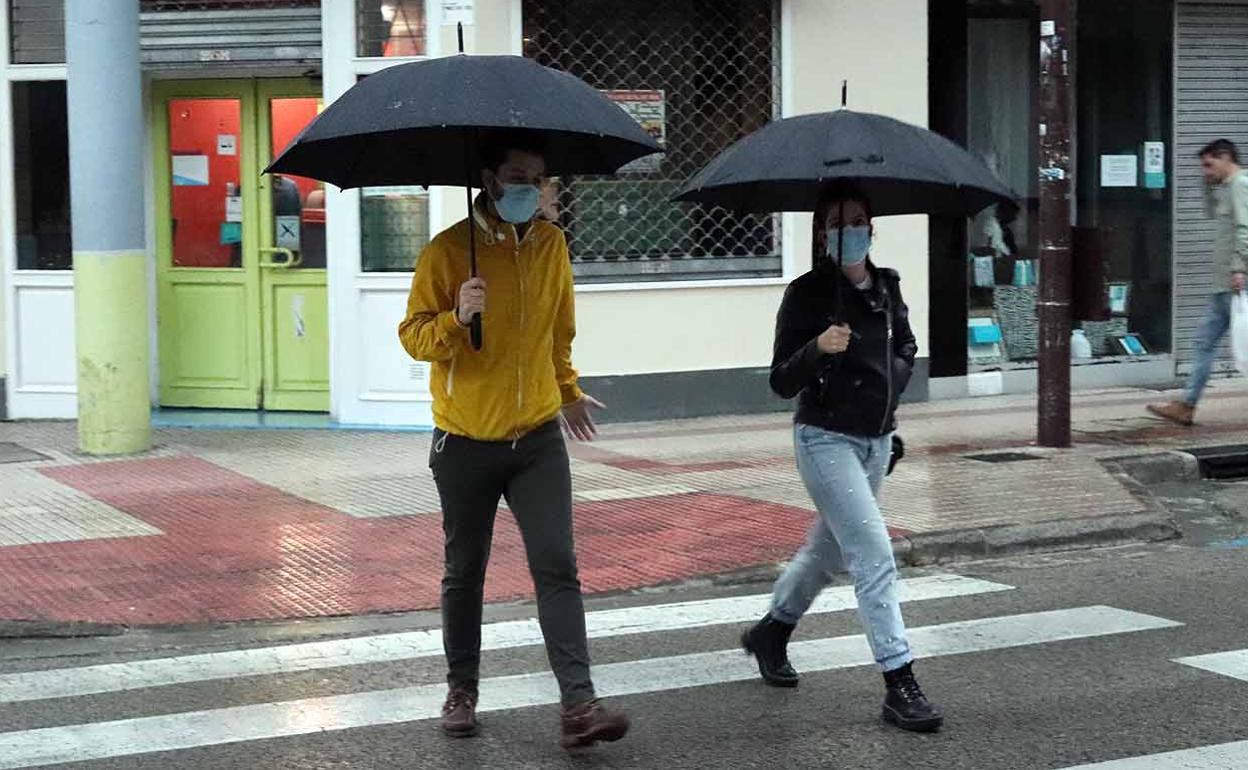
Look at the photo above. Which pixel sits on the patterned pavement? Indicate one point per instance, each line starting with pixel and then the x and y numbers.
pixel 218 526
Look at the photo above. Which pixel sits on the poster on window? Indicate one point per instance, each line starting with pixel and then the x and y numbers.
pixel 649 109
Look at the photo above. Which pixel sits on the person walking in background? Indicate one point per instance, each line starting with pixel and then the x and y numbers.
pixel 1227 203
pixel 844 347
pixel 497 413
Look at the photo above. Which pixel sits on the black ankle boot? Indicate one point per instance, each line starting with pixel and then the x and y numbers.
pixel 906 706
pixel 768 641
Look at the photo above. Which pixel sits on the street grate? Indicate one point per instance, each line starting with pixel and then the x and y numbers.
pixel 1002 457
pixel 16 453
pixel 1221 462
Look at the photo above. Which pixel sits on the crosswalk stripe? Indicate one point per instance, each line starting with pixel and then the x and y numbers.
pixel 382 648
pixel 128 737
pixel 1225 756
pixel 1233 663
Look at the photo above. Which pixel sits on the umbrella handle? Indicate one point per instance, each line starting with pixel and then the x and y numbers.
pixel 475 331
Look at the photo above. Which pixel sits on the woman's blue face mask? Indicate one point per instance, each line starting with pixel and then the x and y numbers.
pixel 854 243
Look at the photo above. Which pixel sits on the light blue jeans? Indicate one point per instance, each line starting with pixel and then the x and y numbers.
pixel 1213 328
pixel 843 474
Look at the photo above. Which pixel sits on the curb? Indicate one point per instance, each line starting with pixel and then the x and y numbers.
pixel 926 549
pixel 55 629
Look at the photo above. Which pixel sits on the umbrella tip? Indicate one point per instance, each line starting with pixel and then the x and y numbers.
pixel 844 93
pixel 460 26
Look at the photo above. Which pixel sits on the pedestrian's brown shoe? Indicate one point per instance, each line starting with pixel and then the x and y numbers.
pixel 588 723
pixel 1176 411
pixel 459 713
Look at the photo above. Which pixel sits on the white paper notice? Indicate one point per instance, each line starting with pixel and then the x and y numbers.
pixel 457 12
pixel 227 144
pixel 190 170
pixel 288 231
pixel 1120 170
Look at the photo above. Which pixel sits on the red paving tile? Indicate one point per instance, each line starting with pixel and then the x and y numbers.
pixel 236 549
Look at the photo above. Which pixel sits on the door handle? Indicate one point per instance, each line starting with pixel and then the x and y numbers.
pixel 292 259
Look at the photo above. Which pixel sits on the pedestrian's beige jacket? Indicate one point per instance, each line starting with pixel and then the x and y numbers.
pixel 1227 204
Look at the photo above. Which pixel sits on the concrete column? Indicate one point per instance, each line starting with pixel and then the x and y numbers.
pixel 106 198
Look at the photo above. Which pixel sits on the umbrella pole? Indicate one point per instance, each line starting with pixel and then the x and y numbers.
pixel 840 255
pixel 475 325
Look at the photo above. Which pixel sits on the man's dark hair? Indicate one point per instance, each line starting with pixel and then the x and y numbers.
pixel 1222 148
pixel 495 144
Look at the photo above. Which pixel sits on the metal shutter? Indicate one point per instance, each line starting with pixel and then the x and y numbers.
pixel 36 31
pixel 1211 102
pixel 273 40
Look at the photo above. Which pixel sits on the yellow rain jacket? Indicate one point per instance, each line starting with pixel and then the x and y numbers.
pixel 523 375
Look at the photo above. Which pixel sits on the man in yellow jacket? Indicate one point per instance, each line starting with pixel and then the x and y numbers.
pixel 497 413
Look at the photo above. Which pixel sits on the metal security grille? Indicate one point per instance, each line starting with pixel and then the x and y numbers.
pixel 1211 102
pixel 698 74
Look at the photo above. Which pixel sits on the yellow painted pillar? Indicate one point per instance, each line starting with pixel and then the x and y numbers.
pixel 106 200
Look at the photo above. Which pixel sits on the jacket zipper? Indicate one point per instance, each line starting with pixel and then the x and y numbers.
pixel 515 255
pixel 888 359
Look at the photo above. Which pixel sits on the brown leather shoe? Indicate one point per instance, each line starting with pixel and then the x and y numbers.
pixel 1176 411
pixel 590 722
pixel 459 713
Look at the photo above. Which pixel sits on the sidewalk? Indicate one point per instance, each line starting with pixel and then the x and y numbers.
pixel 239 525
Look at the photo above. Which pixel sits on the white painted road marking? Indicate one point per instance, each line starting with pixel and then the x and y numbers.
pixel 1225 756
pixel 215 727
pixel 383 648
pixel 1233 664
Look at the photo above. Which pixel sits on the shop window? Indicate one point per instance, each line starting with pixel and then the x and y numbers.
pixel 37 31
pixel 41 176
pixel 1123 65
pixel 394 228
pixel 391 28
pixel 699 75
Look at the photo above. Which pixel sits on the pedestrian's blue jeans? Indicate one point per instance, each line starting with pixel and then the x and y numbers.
pixel 843 474
pixel 1213 328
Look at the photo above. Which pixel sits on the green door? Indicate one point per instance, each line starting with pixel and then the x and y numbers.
pixel 294 303
pixel 242 320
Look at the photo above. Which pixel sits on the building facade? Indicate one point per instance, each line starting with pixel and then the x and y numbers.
pixel 282 295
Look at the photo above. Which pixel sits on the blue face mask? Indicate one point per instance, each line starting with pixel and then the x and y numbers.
pixel 855 242
pixel 518 203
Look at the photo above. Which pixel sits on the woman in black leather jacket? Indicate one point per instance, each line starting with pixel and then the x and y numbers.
pixel 844 347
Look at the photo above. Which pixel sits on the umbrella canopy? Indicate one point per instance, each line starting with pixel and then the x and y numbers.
pixel 418 123
pixel 902 169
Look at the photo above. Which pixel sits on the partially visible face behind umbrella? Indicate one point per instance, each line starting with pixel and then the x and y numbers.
pixel 902 169
pixel 417 124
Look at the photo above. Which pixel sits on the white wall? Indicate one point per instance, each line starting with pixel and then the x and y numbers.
pixel 881 48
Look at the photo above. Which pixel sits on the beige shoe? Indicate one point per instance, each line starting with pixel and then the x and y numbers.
pixel 1176 411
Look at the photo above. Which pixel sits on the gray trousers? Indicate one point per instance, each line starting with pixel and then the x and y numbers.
pixel 533 475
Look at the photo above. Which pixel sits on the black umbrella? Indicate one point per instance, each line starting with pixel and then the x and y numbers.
pixel 419 124
pixel 899 167
pixel 902 169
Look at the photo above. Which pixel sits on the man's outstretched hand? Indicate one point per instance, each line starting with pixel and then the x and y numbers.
pixel 578 418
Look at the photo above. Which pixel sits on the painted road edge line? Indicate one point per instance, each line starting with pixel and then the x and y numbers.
pixel 1223 756
pixel 215 727
pixel 408 645
pixel 1233 663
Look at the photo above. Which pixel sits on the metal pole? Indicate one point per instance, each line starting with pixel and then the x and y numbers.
pixel 106 199
pixel 1054 305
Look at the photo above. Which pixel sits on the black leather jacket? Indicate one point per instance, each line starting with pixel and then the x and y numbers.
pixel 857 391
